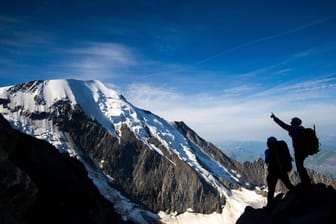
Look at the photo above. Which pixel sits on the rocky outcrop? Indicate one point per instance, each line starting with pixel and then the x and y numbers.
pixel 208 147
pixel 313 205
pixel 255 172
pixel 213 152
pixel 40 185
pixel 18 192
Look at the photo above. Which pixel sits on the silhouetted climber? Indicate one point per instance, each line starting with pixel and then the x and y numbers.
pixel 279 163
pixel 295 131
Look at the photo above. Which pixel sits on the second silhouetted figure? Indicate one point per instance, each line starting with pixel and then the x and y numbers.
pixel 279 163
pixel 295 131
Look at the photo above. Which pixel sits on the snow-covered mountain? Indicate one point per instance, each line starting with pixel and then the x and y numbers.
pixel 151 170
pixel 137 160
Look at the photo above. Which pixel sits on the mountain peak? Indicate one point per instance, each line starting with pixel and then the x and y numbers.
pixel 96 100
pixel 60 89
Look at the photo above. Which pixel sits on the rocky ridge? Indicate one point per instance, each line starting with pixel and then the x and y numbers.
pixel 313 205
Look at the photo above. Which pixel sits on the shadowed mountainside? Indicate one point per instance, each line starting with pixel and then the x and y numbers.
pixel 40 185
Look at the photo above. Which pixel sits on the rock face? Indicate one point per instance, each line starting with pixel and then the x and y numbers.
pixel 144 176
pixel 40 185
pixel 257 173
pixel 302 206
pixel 214 153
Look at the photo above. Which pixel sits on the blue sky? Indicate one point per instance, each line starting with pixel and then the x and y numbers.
pixel 221 66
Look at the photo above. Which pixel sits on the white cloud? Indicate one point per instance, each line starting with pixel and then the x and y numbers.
pixel 114 54
pixel 146 94
pixel 221 117
pixel 313 85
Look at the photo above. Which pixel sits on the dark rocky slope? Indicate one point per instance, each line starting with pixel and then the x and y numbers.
pixel 40 185
pixel 315 205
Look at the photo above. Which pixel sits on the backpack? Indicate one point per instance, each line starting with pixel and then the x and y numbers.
pixel 310 141
pixel 285 158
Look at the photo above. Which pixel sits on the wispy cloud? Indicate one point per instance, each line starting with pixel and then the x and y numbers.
pixel 115 54
pixel 267 38
pixel 99 60
pixel 320 89
pixel 6 20
pixel 279 67
pixel 19 39
pixel 16 33
pixel 283 71
pixel 314 85
pixel 147 94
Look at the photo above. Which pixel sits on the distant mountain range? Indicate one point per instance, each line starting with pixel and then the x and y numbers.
pixel 324 161
pixel 243 150
pixel 150 170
